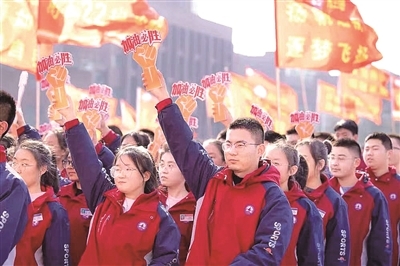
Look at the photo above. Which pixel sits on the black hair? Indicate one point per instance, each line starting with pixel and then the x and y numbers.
pixel 251 125
pixel 222 135
pixel 347 124
pixel 144 163
pixel 43 157
pixel 319 150
pixel 384 138
pixel 7 110
pixel 350 144
pixel 115 129
pixel 291 131
pixel 323 136
pixel 141 139
pixel 8 141
pixel 273 136
pixel 149 132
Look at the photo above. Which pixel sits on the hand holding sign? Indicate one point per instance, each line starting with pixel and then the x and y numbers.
pixel 91 119
pixel 56 78
pixel 54 115
pixel 187 104
pixel 146 56
pixel 217 94
pixel 304 129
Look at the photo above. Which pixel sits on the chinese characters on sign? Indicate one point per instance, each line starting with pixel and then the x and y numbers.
pixel 220 77
pixel 262 115
pixel 100 90
pixel 145 37
pixel 57 59
pixel 193 122
pixel 185 88
pixel 98 104
pixel 307 116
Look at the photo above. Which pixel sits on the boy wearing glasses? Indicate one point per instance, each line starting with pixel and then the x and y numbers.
pixel 14 196
pixel 242 215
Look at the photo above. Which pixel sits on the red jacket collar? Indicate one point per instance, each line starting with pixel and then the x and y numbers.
pixel 144 202
pixel 386 177
pixel 48 196
pixel 320 191
pixel 68 190
pixel 265 172
pixel 359 188
pixel 163 195
pixel 294 192
pixel 3 155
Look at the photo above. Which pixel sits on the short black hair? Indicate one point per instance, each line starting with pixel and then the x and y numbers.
pixel 323 136
pixel 251 125
pixel 347 124
pixel 350 144
pixel 222 135
pixel 273 136
pixel 291 131
pixel 148 132
pixel 7 109
pixel 383 137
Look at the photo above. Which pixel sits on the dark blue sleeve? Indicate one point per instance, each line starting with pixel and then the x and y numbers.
pixel 337 245
pixel 28 132
pixel 106 156
pixel 112 141
pixel 14 203
pixel 56 243
pixel 379 242
pixel 273 232
pixel 193 161
pixel 93 178
pixel 166 245
pixel 310 245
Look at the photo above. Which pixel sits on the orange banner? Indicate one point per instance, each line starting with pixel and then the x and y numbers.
pixel 311 39
pixel 369 80
pixel 396 99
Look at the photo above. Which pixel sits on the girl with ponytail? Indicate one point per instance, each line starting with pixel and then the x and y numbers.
pixel 307 241
pixel 46 237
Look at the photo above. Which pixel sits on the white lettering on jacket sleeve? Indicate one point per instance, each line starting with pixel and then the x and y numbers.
pixel 66 254
pixel 275 235
pixel 3 219
pixel 343 242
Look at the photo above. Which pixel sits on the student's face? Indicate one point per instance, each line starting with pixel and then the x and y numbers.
pixel 292 139
pixel 342 162
pixel 69 168
pixel 279 160
pixel 169 172
pixel 214 154
pixel 26 166
pixel 242 160
pixel 128 140
pixel 375 155
pixel 343 133
pixel 394 159
pixel 51 140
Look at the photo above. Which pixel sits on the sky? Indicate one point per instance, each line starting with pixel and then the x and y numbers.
pixel 253 25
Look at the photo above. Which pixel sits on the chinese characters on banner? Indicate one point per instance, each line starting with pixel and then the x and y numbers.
pixel 95 107
pixel 304 122
pixel 187 95
pixel 217 84
pixel 53 68
pixel 309 38
pixel 262 115
pixel 145 54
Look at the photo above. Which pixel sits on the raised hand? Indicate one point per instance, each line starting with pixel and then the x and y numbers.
pixel 56 93
pixel 304 129
pixel 187 104
pixel 54 115
pixel 146 56
pixel 91 119
pixel 217 92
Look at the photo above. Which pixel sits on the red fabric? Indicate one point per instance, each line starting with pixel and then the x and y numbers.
pixel 70 124
pixel 360 219
pixel 110 137
pixel 209 216
pixel 21 131
pixel 35 231
pixel 300 214
pixel 79 219
pixel 185 207
pixel 362 165
pixel 164 103
pixel 389 184
pixel 322 202
pixel 98 147
pixel 3 155
pixel 115 238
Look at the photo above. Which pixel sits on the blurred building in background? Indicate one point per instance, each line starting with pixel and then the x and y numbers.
pixel 194 48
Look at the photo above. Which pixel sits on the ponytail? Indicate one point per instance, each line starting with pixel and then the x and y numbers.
pixel 50 177
pixel 302 172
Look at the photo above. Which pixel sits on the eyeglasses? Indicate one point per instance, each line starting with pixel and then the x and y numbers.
pixel 117 171
pixel 396 148
pixel 162 166
pixel 240 145
pixel 20 166
pixel 66 163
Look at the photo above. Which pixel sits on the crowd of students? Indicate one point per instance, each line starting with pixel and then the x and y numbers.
pixel 247 197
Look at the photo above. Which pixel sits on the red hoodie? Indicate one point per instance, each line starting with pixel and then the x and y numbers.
pixel 48 229
pixel 389 184
pixel 305 247
pixel 79 217
pixel 182 213
pixel 237 215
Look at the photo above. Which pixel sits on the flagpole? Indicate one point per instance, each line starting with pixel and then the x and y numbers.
pixel 303 90
pixel 391 84
pixel 38 93
pixel 278 90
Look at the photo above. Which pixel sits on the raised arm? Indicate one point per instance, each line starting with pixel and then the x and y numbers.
pixel 273 232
